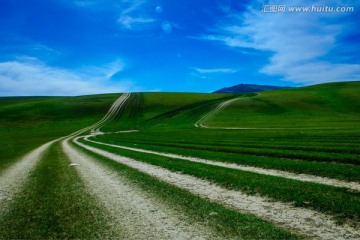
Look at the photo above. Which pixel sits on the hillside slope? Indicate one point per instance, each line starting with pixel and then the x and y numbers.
pixel 318 106
pixel 174 174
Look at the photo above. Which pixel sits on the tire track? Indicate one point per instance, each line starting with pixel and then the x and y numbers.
pixel 271 172
pixel 133 210
pixel 16 175
pixel 218 108
pixel 305 221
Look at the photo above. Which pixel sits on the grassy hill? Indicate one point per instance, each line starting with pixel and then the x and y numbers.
pixel 28 122
pixel 318 124
pixel 334 105
pixel 311 130
pixel 149 110
pixel 325 105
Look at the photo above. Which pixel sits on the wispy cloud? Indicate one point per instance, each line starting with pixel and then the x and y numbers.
pixel 135 23
pixel 215 70
pixel 13 45
pixel 135 16
pixel 299 42
pixel 132 6
pixel 27 76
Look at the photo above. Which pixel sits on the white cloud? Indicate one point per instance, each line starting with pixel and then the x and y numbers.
pixel 134 15
pixel 298 42
pixel 136 23
pixel 28 76
pixel 215 70
pixel 317 72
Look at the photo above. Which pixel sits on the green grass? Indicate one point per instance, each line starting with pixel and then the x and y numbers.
pixel 231 224
pixel 331 170
pixel 146 110
pixel 28 122
pixel 166 123
pixel 335 105
pixel 344 205
pixel 54 205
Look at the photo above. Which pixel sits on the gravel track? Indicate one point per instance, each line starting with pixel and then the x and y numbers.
pixel 16 175
pixel 305 221
pixel 110 115
pixel 13 178
pixel 271 172
pixel 143 216
pixel 136 214
pixel 218 108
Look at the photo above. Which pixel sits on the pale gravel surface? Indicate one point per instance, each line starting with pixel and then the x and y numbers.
pixel 14 177
pixel 135 213
pixel 305 221
pixel 272 172
pixel 108 116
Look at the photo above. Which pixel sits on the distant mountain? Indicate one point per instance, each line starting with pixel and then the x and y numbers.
pixel 244 88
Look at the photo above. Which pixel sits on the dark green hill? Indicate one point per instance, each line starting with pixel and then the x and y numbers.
pixel 245 88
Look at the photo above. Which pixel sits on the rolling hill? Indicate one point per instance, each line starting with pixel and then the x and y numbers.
pixel 318 106
pixel 70 167
pixel 245 88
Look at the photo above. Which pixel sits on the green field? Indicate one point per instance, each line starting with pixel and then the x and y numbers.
pixel 27 122
pixel 309 132
pixel 334 105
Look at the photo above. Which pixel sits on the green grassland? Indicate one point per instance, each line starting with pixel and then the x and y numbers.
pixel 54 205
pixel 227 222
pixel 334 105
pixel 311 130
pixel 330 152
pixel 146 110
pixel 28 122
pixel 343 204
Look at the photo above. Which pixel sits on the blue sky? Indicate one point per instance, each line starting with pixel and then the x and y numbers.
pixel 75 47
